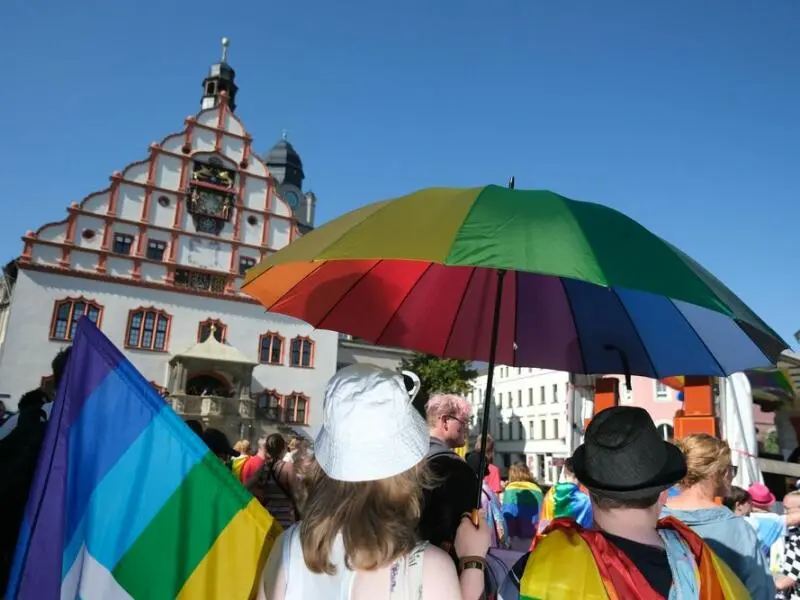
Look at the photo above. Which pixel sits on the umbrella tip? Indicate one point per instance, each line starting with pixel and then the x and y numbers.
pixel 511 182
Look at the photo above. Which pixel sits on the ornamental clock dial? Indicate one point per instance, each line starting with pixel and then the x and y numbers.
pixel 291 198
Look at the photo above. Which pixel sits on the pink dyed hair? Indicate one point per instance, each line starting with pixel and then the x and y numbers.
pixel 447 404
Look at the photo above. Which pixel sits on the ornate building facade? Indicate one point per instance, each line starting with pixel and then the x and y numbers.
pixel 156 260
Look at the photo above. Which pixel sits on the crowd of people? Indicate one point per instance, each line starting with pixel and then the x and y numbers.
pixel 381 506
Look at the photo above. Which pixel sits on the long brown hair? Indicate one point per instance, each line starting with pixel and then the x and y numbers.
pixel 377 519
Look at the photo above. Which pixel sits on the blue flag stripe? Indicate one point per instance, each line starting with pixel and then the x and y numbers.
pixel 137 488
pixel 113 417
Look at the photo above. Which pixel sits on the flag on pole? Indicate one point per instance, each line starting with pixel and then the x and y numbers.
pixel 127 501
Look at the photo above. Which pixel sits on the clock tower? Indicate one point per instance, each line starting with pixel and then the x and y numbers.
pixel 286 167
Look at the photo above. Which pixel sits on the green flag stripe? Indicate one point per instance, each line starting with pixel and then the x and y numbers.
pixel 161 560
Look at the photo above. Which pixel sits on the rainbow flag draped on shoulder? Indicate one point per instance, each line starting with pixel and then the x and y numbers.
pixel 127 501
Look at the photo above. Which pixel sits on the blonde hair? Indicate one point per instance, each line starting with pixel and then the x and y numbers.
pixel 707 459
pixel 519 471
pixel 377 519
pixel 440 405
pixel 242 446
pixel 489 443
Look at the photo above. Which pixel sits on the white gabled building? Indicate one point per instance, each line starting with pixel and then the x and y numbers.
pixel 529 421
pixel 156 260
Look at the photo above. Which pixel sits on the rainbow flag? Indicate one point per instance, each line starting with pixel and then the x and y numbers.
pixel 127 502
pixel 566 500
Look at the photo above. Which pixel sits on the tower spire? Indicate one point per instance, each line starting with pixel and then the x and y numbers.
pixel 221 78
pixel 225 43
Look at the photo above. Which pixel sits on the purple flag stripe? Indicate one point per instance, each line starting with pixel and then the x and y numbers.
pixel 93 357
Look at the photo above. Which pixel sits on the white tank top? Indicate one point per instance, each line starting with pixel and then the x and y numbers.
pixel 301 584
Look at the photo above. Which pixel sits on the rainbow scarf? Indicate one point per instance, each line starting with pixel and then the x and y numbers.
pixel 599 571
pixel 127 502
pixel 566 500
pixel 522 501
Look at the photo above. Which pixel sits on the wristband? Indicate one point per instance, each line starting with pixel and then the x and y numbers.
pixel 471 562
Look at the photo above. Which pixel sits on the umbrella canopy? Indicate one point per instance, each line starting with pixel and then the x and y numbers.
pixel 587 289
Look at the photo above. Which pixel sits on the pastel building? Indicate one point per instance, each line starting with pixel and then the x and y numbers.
pixel 156 258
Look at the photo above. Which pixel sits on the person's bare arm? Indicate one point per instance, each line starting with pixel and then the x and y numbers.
pixel 273 581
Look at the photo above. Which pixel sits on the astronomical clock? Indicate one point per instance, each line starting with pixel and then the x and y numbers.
pixel 211 196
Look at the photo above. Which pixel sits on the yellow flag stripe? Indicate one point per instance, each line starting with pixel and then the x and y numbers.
pixel 234 562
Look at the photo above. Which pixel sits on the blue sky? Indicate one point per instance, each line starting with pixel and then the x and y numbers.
pixel 682 114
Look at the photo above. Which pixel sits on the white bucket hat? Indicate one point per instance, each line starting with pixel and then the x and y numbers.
pixel 370 430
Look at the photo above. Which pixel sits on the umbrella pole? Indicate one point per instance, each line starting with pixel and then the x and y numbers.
pixel 489 385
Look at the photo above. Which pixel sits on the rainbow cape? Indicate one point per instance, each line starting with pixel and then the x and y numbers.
pixel 127 502
pixel 598 571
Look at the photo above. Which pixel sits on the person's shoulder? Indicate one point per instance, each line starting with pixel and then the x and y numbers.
pixel 439 576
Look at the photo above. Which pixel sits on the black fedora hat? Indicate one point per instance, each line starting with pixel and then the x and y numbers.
pixel 623 457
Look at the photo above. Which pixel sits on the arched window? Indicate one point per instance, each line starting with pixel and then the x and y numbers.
pixel 270 348
pixel 66 313
pixel 302 352
pixel 295 408
pixel 268 405
pixel 148 329
pixel 204 330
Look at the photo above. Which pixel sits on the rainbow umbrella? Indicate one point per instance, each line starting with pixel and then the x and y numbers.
pixel 524 278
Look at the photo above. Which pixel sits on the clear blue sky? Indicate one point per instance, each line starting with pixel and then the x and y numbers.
pixel 683 114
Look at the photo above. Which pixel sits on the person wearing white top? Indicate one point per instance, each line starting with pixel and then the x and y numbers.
pixel 357 539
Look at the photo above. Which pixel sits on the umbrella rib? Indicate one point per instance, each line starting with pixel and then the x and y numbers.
pixel 638 335
pixel 702 341
pixel 350 289
pixel 458 310
pixel 403 301
pixel 575 322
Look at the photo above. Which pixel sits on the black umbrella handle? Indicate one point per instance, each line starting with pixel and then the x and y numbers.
pixel 501 275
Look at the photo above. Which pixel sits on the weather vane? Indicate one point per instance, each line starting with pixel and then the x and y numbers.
pixel 284 134
pixel 225 43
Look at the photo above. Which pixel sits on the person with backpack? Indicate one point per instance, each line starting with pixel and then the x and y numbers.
pixel 444 505
pixel 273 484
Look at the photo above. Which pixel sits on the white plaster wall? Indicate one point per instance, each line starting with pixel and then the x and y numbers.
pixel 137 171
pixel 204 253
pixel 57 232
pixel 97 203
pixel 255 194
pixel 203 140
pixel 45 255
pixel 163 216
pixel 27 351
pixel 168 172
pixel 91 223
pixel 358 353
pixel 130 201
